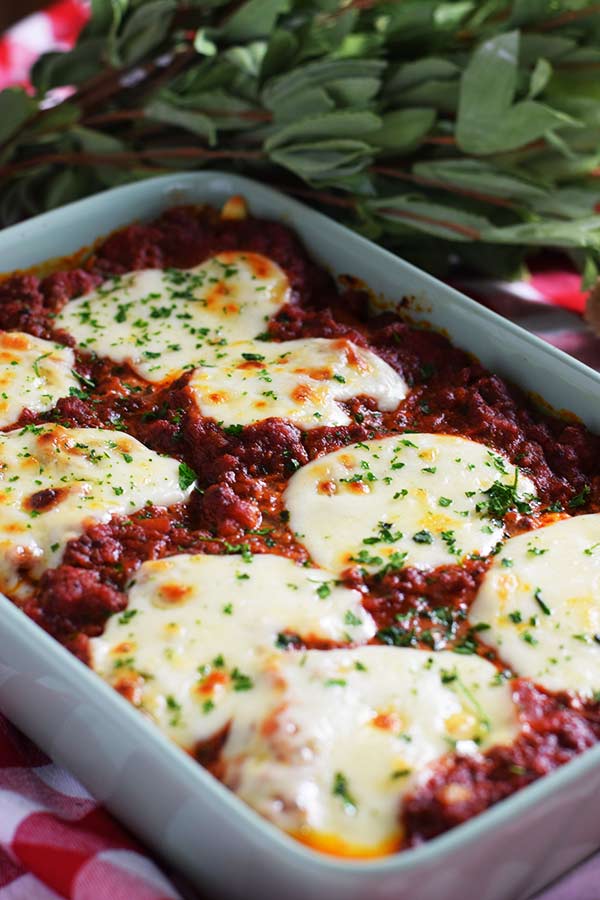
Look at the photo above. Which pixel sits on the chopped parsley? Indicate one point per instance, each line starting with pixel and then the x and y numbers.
pixel 38 360
pixel 175 709
pixel 501 497
pixel 127 616
pixel 341 789
pixel 537 596
pixel 581 498
pixel 240 681
pixel 187 476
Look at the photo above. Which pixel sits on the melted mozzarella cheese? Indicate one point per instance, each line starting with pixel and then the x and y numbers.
pixel 54 481
pixel 164 322
pixel 301 380
pixel 34 374
pixel 541 599
pixel 188 648
pixel 329 743
pixel 413 499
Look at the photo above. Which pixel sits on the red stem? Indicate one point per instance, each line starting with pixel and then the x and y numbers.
pixel 125 157
pixel 567 17
pixel 452 189
pixel 471 233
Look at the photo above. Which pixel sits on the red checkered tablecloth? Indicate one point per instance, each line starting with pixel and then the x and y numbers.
pixel 55 841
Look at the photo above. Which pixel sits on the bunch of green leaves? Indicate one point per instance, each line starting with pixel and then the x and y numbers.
pixel 462 130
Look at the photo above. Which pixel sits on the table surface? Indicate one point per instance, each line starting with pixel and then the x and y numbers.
pixel 55 841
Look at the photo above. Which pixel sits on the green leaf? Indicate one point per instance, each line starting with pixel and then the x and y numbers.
pixel 309 101
pixel 419 214
pixel 281 50
pixel 526 11
pixel 206 75
pixel 321 160
pixel 58 69
pixel 411 74
pixel 187 476
pixel 248 59
pixel 319 74
pixel 195 122
pixel 576 85
pixel 15 108
pixel 330 88
pixel 56 118
pixel 440 95
pixel 203 45
pixel 403 130
pixel 355 92
pixel 332 125
pixel 485 11
pixel 224 110
pixel 254 19
pixel 540 77
pixel 106 16
pixel 590 272
pixel 358 45
pixel 333 35
pixel 96 141
pixel 408 22
pixel 144 30
pixel 481 177
pixel 64 187
pixel 18 199
pixel 451 15
pixel 552 47
pixel 584 232
pixel 361 182
pixel 569 202
pixel 488 122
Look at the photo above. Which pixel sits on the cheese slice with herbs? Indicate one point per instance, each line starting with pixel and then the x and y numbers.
pixel 55 481
pixel 541 601
pixel 328 743
pixel 189 646
pixel 303 381
pixel 34 374
pixel 165 322
pixel 410 500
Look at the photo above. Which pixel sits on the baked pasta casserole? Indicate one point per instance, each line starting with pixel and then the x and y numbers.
pixel 342 565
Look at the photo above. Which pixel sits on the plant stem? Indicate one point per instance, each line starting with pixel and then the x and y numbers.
pixel 450 188
pixel 126 157
pixel 440 139
pixel 464 230
pixel 318 196
pixel 567 17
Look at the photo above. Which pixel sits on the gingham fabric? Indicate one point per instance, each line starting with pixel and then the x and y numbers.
pixel 54 29
pixel 55 841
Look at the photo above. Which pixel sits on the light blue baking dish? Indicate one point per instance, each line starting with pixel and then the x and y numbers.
pixel 507 853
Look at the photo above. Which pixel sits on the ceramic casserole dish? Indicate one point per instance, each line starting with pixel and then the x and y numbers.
pixel 180 810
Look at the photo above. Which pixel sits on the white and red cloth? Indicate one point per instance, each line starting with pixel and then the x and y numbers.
pixel 55 29
pixel 55 840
